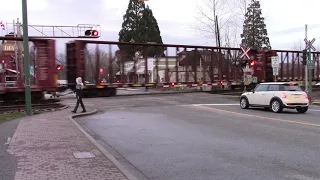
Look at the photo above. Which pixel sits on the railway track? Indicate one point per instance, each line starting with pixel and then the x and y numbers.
pixel 46 101
pixel 35 107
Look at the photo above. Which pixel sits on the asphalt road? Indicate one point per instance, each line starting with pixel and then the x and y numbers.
pixel 204 136
pixel 120 92
pixel 8 162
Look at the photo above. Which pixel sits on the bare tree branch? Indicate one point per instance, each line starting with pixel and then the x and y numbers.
pixel 298 45
pixel 230 19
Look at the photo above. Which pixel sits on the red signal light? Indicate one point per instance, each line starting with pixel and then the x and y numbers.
pixel 95 33
pixel 252 63
pixel 91 33
pixel 59 67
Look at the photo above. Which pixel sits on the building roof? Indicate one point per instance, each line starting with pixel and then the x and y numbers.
pixel 193 57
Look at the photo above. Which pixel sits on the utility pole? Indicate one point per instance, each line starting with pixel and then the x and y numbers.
pixel 26 58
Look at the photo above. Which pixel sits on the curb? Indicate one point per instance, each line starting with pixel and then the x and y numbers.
pixel 103 150
pixel 64 107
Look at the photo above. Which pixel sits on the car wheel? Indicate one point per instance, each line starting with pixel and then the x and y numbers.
pixel 302 109
pixel 244 104
pixel 276 106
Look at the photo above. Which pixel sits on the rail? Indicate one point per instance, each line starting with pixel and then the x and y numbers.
pixel 5 109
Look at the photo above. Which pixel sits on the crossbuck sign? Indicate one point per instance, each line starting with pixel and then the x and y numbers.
pixel 309 44
pixel 245 52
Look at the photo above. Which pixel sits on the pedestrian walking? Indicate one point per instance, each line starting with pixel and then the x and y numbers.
pixel 79 95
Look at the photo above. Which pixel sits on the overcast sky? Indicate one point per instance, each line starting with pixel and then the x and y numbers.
pixel 285 19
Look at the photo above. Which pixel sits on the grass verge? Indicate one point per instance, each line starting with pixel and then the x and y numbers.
pixel 233 98
pixel 10 116
pixel 13 115
pixel 316 103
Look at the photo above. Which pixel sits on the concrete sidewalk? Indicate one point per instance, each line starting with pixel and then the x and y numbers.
pixel 45 146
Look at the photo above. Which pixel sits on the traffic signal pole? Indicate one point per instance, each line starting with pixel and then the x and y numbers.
pixel 26 58
pixel 309 73
pixel 309 63
pixel 306 66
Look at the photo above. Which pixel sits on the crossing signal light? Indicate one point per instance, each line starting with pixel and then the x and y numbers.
pixel 93 33
pixel 252 63
pixel 304 57
pixel 59 67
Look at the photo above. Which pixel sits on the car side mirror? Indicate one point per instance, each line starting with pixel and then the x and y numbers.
pixel 252 90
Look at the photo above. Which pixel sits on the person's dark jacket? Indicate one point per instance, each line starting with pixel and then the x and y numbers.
pixel 79 91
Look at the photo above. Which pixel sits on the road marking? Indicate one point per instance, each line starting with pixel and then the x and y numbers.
pixel 261 117
pixel 8 141
pixel 313 110
pixel 215 104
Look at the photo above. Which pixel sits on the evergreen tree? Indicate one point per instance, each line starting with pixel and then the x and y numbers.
pixel 254 29
pixel 151 32
pixel 139 25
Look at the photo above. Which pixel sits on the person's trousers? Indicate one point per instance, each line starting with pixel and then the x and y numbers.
pixel 79 101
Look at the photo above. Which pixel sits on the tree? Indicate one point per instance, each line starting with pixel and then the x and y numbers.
pixel 254 29
pixel 61 60
pixel 152 32
pixel 208 11
pixel 139 25
pixel 229 19
pixel 298 45
pixel 105 60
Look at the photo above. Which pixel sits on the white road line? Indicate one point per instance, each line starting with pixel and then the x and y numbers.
pixel 8 141
pixel 314 110
pixel 216 104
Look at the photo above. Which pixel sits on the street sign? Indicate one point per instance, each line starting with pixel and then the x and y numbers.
pixel 150 64
pixel 254 79
pixel 245 52
pixel 275 61
pixel 275 71
pixel 309 44
pixel 247 79
pixel 310 64
pixel 247 69
pixel 31 70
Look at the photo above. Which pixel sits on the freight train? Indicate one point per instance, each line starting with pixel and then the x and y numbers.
pixel 106 66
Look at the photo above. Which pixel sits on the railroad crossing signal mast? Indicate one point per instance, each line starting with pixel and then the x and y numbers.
pixel 247 63
pixel 54 31
pixel 308 62
pixel 39 31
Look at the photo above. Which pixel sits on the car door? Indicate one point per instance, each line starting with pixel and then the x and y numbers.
pixel 259 94
pixel 273 90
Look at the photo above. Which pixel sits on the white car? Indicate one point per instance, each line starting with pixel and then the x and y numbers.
pixel 276 96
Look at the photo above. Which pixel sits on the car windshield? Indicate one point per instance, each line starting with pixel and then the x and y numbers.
pixel 291 87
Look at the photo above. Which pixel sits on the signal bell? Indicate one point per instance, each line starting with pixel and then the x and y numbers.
pixel 94 33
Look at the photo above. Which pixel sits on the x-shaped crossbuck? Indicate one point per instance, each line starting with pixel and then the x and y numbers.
pixel 309 44
pixel 245 52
